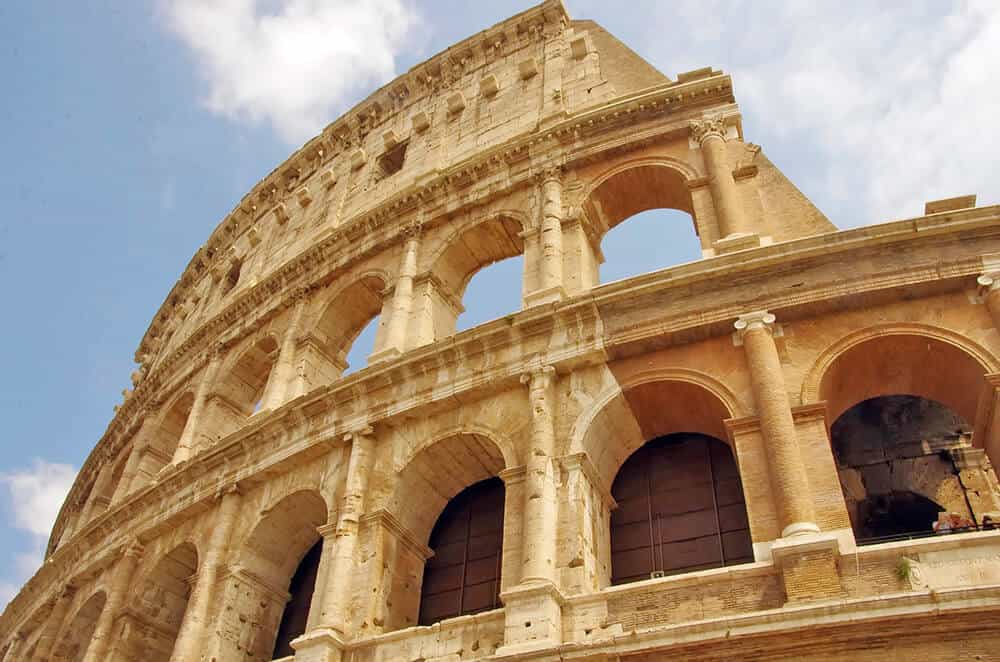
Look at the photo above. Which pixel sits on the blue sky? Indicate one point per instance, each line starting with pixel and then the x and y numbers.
pixel 130 128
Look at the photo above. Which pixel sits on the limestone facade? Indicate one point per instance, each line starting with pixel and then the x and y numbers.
pixel 242 447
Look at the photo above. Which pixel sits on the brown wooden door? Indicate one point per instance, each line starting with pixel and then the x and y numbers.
pixel 680 508
pixel 463 576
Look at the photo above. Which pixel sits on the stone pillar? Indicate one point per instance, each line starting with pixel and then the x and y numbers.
pixel 786 470
pixel 550 255
pixel 325 642
pixel 190 638
pixel 710 134
pixel 135 455
pixel 187 441
pixel 14 649
pixel 284 373
pixel 118 591
pixel 54 624
pixel 99 499
pixel 989 284
pixel 394 341
pixel 533 614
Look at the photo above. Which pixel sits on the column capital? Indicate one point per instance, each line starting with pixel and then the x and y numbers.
pixel 550 173
pixel 133 549
pixel 708 127
pixel 758 319
pixel 988 282
pixel 364 431
pixel 412 231
pixel 540 377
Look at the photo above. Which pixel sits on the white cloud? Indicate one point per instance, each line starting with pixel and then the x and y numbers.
pixel 893 103
pixel 35 496
pixel 296 64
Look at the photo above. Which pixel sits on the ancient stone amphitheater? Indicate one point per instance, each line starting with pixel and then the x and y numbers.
pixel 743 457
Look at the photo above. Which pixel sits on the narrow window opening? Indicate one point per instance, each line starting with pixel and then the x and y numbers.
pixel 232 278
pixel 392 160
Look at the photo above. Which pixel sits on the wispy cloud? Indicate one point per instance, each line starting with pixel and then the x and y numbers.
pixel 295 64
pixel 34 497
pixel 894 102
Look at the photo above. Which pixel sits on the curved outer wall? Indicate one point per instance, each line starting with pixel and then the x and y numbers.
pixel 242 445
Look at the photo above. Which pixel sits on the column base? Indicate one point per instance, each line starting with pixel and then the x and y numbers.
pixel 533 618
pixel 383 355
pixel 808 563
pixel 738 241
pixel 547 295
pixel 320 645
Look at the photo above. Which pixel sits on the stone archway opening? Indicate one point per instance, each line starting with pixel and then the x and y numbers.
pixel 159 603
pixel 347 331
pixel 903 408
pixel 76 637
pixel 680 509
pixel 903 461
pixel 488 253
pixel 449 497
pixel 278 565
pixel 642 218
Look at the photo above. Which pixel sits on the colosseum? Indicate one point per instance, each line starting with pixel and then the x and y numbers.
pixel 781 450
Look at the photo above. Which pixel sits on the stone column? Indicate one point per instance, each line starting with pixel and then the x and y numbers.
pixel 54 624
pixel 187 441
pixel 284 372
pixel 989 284
pixel 118 592
pixel 533 609
pixel 14 650
pixel 550 254
pixel 710 134
pixel 394 341
pixel 99 499
pixel 538 560
pixel 139 442
pixel 324 643
pixel 786 471
pixel 336 591
pixel 190 639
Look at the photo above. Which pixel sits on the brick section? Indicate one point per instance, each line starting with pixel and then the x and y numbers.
pixel 664 605
pixel 812 576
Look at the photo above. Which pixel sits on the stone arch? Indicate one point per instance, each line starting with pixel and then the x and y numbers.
pixel 910 359
pixel 76 636
pixel 438 471
pixel 170 426
pixel 159 601
pixel 638 185
pixel 642 408
pixel 267 561
pixel 340 320
pixel 470 248
pixel 239 390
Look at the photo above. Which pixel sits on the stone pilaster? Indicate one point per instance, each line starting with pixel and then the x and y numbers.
pixel 989 284
pixel 324 642
pixel 394 341
pixel 281 382
pixel 54 624
pixel 584 526
pixel 533 609
pixel 187 441
pixel 13 653
pixel 139 443
pixel 190 638
pixel 786 470
pixel 550 254
pixel 710 134
pixel 118 592
pixel 99 499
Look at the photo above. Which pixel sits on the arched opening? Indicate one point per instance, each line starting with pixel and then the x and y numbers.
pixel 166 435
pixel 282 553
pixel 429 501
pixel 296 614
pixel 346 331
pixel 463 575
pixel 490 294
pixel 159 602
pixel 902 461
pixel 239 394
pixel 680 509
pixel 903 408
pixel 656 201
pixel 493 241
pixel 649 241
pixel 76 637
